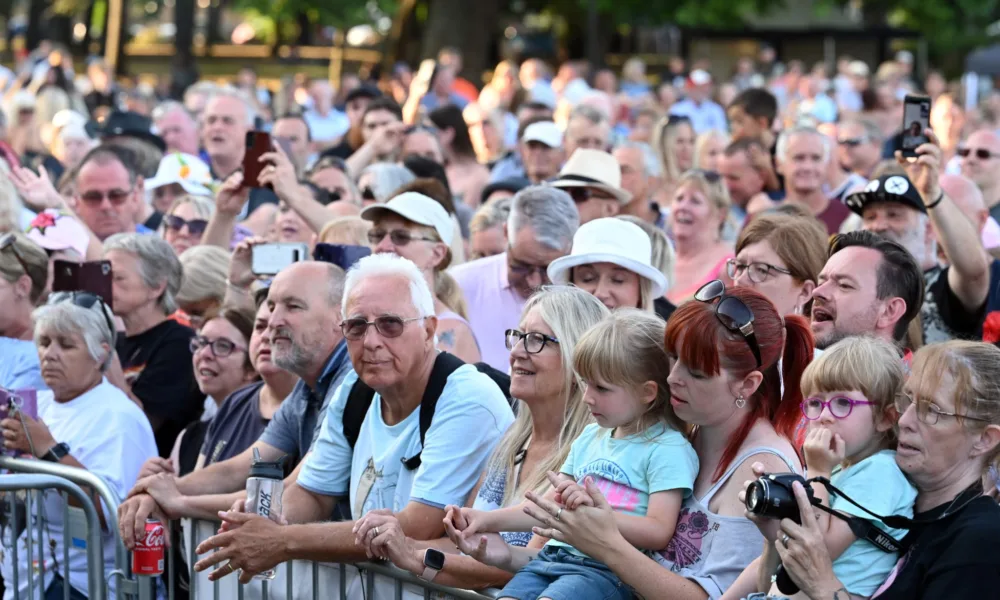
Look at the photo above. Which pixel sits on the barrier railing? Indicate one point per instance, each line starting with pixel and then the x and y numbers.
pixel 82 477
pixel 322 580
pixel 28 483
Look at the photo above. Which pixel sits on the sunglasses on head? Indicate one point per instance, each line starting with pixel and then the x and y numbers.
pixel 8 240
pixel 194 226
pixel 980 153
pixel 710 176
pixel 678 119
pixel 115 197
pixel 85 300
pixel 732 312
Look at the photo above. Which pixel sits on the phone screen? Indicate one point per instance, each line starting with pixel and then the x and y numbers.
pixel 916 120
pixel 271 259
pixel 257 144
pixel 342 255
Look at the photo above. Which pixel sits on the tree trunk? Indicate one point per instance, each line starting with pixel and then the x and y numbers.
pixel 184 71
pixel 60 30
pixel 467 25
pixel 36 26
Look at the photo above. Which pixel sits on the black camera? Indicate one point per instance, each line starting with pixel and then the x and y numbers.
pixel 771 496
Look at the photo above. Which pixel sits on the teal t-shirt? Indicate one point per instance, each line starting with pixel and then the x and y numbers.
pixel 628 470
pixel 879 485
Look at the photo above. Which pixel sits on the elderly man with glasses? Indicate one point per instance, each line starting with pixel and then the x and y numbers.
pixel 375 450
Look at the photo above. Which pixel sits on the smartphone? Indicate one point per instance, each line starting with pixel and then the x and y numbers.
pixel 258 143
pixel 270 259
pixel 342 255
pixel 92 276
pixel 12 401
pixel 286 146
pixel 916 120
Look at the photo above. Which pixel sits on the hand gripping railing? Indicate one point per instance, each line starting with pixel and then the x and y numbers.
pixel 95 549
pixel 83 477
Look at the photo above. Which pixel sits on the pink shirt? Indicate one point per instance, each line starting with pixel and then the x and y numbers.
pixel 494 306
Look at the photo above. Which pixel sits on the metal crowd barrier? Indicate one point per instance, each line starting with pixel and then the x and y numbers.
pixel 370 581
pixel 32 484
pixel 84 478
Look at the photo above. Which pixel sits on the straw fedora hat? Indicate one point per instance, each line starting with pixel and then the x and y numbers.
pixel 593 169
pixel 610 240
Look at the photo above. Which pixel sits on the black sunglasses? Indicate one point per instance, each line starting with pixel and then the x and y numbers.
pixel 8 240
pixel 86 300
pixel 732 312
pixel 583 194
pixel 195 226
pixel 398 237
pixel 852 142
pixel 710 176
pixel 981 153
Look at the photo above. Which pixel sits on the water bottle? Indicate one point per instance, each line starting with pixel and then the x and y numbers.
pixel 264 488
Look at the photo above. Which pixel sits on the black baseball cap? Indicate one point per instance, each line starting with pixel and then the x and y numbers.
pixel 363 91
pixel 512 185
pixel 888 188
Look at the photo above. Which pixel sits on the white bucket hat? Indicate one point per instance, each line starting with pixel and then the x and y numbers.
pixel 416 207
pixel 610 240
pixel 593 169
pixel 186 170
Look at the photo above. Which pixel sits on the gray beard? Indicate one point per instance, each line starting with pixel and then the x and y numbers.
pixel 296 360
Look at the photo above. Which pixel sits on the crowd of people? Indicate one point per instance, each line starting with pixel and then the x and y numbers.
pixel 581 315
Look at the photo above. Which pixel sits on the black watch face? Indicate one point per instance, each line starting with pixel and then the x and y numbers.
pixel 434 559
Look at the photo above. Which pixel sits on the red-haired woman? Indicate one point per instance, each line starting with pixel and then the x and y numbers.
pixel 725 348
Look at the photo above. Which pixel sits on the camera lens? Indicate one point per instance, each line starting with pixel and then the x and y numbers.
pixel 753 497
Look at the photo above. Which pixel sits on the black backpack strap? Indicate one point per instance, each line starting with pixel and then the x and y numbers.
pixel 358 401
pixel 444 365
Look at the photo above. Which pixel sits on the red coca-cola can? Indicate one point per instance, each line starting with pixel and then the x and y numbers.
pixel 147 558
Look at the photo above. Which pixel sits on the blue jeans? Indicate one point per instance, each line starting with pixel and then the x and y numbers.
pixel 559 574
pixel 55 590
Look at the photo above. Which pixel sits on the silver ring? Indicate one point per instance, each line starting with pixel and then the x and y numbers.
pixel 559 514
pixel 784 540
pixel 375 531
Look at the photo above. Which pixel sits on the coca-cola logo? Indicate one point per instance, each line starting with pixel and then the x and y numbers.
pixel 154 537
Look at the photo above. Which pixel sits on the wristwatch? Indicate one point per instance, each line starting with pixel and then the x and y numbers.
pixel 56 453
pixel 433 563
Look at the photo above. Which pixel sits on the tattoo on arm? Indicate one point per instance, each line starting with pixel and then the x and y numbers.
pixel 446 339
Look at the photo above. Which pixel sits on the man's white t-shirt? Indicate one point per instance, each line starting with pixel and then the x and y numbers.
pixel 110 436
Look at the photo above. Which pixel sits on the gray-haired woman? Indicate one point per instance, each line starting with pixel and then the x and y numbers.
pixel 155 353
pixel 379 181
pixel 84 422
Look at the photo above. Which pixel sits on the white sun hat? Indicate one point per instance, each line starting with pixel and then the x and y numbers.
pixel 418 208
pixel 594 169
pixel 186 170
pixel 610 240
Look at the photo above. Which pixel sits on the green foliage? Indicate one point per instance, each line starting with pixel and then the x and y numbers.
pixel 340 13
pixel 686 13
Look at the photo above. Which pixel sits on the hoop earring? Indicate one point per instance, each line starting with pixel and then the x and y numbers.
pixel 740 401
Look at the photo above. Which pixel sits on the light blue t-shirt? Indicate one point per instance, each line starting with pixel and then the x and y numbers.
pixel 879 485
pixel 19 368
pixel 470 418
pixel 628 470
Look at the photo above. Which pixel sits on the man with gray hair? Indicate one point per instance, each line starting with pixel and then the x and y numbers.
pixel 587 127
pixel 859 146
pixel 540 229
pixel 228 116
pixel 640 176
pixel 803 155
pixel 177 127
pixel 304 302
pixel 407 434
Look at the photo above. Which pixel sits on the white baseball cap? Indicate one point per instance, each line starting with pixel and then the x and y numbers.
pixel 186 170
pixel 418 208
pixel 700 77
pixel 545 132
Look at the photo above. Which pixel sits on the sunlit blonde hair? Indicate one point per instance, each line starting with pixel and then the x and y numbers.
pixel 349 231
pixel 626 350
pixel 569 312
pixel 863 364
pixel 972 366
pixel 664 138
pixel 703 140
pixel 662 257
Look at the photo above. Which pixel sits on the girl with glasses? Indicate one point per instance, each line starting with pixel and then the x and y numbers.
pixel 850 393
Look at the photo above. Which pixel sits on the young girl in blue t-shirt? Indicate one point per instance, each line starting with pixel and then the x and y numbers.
pixel 850 393
pixel 635 454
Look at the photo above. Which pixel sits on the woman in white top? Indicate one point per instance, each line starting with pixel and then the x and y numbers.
pixel 85 422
